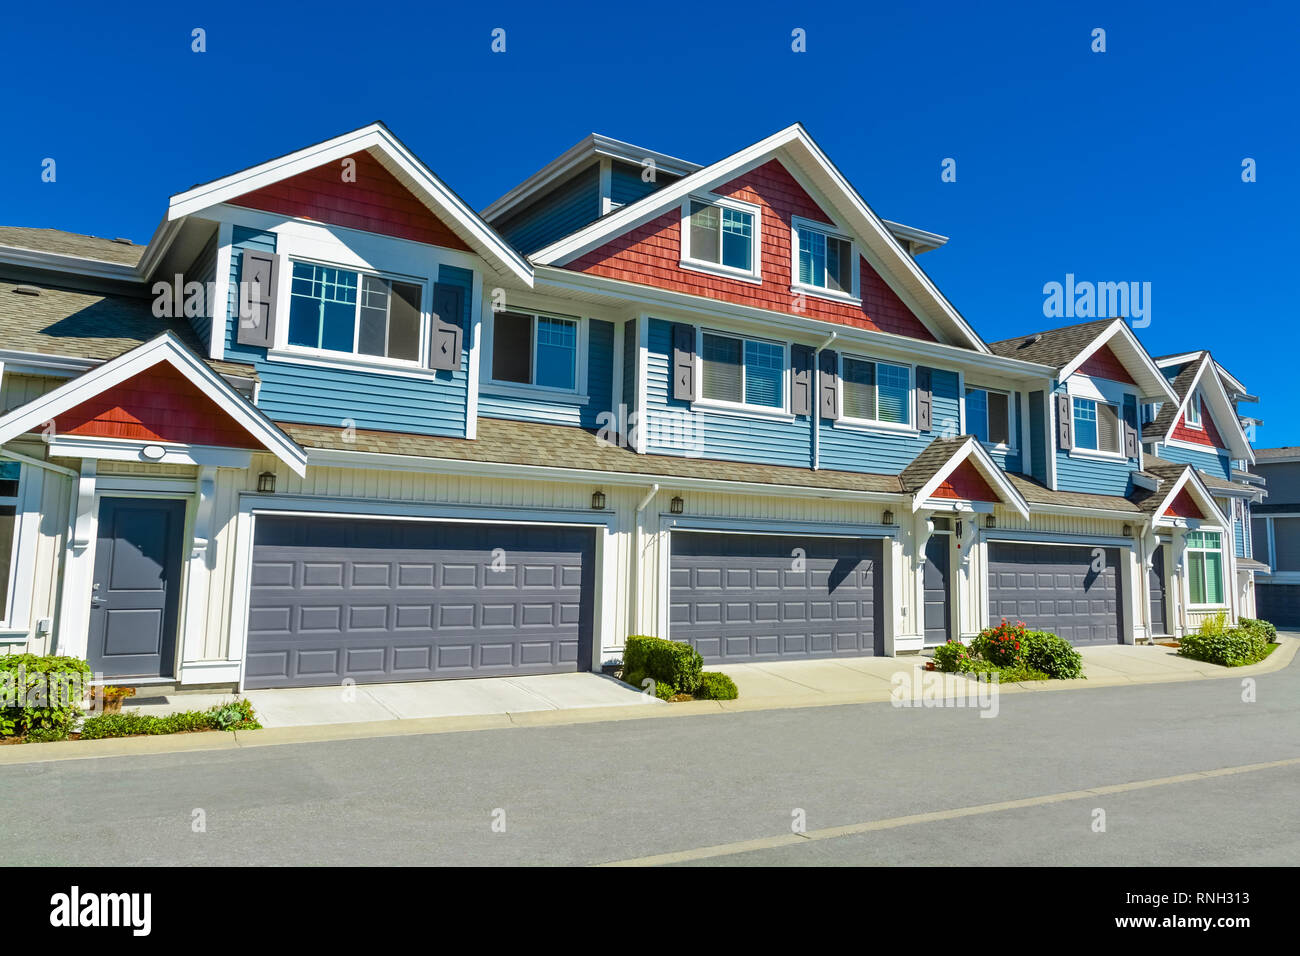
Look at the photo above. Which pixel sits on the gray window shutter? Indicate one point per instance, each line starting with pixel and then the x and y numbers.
pixel 828 392
pixel 1064 423
pixel 924 400
pixel 448 326
pixel 1130 441
pixel 258 272
pixel 801 391
pixel 684 384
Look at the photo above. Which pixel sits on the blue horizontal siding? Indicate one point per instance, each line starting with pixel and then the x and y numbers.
pixel 556 214
pixel 1210 462
pixel 1238 538
pixel 848 448
pixel 600 389
pixel 627 186
pixel 319 395
pixel 1091 476
pixel 719 435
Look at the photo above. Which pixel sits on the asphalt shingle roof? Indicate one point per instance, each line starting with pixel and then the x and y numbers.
pixel 1288 451
pixel 1036 493
pixel 925 465
pixel 93 325
pixel 1055 347
pixel 70 244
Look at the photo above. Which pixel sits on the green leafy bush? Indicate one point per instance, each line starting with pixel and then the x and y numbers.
pixel 716 686
pixel 953 657
pixel 1052 655
pixel 1263 628
pixel 1020 672
pixel 237 715
pixel 41 694
pixel 1230 647
pixel 660 689
pixel 668 663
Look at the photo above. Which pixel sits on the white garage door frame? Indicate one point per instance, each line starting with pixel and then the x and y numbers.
pixel 890 580
pixel 251 505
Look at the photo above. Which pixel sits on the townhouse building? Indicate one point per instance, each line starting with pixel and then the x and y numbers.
pixel 330 423
pixel 1275 536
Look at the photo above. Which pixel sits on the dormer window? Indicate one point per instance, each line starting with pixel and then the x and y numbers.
pixel 823 261
pixel 721 235
pixel 1194 411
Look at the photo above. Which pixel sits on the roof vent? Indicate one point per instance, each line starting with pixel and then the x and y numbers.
pixel 1037 337
pixel 26 290
pixel 125 242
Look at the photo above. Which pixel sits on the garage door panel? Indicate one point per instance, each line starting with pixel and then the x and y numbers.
pixel 415 600
pixel 1055 588
pixel 759 597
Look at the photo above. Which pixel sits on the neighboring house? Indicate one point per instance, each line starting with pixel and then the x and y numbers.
pixel 384 437
pixel 1275 530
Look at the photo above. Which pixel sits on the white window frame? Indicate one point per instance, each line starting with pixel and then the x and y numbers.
pixel 1010 444
pixel 1223 568
pixel 796 224
pixel 14 611
pixel 753 274
pixel 768 411
pixel 875 424
pixel 529 390
pixel 1194 402
pixel 421 363
pixel 1098 452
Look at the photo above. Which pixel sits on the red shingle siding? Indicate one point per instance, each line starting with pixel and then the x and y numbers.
pixel 376 202
pixel 1103 363
pixel 1206 435
pixel 1183 507
pixel 159 404
pixel 651 255
pixel 967 484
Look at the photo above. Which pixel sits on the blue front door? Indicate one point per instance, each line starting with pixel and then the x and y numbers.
pixel 136 588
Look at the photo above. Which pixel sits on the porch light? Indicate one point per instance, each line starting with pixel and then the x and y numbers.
pixel 959 529
pixel 887 517
pixel 1128 531
pixel 598 501
pixel 677 505
pixel 989 522
pixel 266 482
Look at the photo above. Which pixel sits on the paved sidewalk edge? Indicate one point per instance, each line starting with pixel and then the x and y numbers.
pixel 318 733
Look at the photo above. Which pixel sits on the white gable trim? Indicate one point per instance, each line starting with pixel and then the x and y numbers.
pixel 858 218
pixel 986 466
pixel 1147 367
pixel 400 161
pixel 165 348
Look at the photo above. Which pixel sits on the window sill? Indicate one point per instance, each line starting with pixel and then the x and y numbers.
pixel 742 411
pixel 534 392
pixel 1000 449
pixel 882 428
pixel 1091 455
pixel 722 272
pixel 1201 608
pixel 293 356
pixel 816 293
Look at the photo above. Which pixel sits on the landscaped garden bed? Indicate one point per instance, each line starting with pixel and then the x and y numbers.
pixel 1011 652
pixel 1214 642
pixel 672 671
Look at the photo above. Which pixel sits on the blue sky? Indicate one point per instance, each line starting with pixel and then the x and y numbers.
pixel 1116 166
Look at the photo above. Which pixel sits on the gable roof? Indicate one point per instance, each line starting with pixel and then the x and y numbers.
pixel 942 457
pixel 380 142
pixel 165 348
pixel 1175 479
pixel 879 245
pixel 1221 409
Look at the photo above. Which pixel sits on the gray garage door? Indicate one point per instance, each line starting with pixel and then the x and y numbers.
pixel 1279 603
pixel 739 597
pixel 376 600
pixel 1057 588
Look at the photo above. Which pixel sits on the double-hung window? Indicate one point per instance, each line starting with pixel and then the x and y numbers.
pixel 721 236
pixel 740 371
pixel 988 415
pixel 9 474
pixel 1194 411
pixel 1097 426
pixel 876 391
pixel 533 349
pixel 337 310
pixel 823 261
pixel 1205 567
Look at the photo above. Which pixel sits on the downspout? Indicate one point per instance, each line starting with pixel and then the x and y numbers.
pixel 817 401
pixel 635 602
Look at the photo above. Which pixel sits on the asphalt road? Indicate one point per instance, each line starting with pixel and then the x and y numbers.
pixel 624 790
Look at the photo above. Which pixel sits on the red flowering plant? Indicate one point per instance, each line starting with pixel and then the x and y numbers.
pixel 1002 645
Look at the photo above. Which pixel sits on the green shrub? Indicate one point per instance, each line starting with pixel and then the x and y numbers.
pixel 1018 672
pixel 661 689
pixel 716 686
pixel 45 735
pixel 41 694
pixel 237 715
pixel 1263 628
pixel 1002 645
pixel 670 663
pixel 1230 647
pixel 953 657
pixel 1052 655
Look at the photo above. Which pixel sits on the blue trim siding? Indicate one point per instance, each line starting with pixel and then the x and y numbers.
pixel 1038 425
pixel 715 434
pixel 324 395
pixel 1210 462
pixel 852 448
pixel 564 210
pixel 600 389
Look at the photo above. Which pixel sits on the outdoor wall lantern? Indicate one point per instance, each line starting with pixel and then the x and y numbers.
pixel 887 517
pixel 677 505
pixel 598 501
pixel 959 529
pixel 266 481
pixel 989 522
pixel 1128 530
